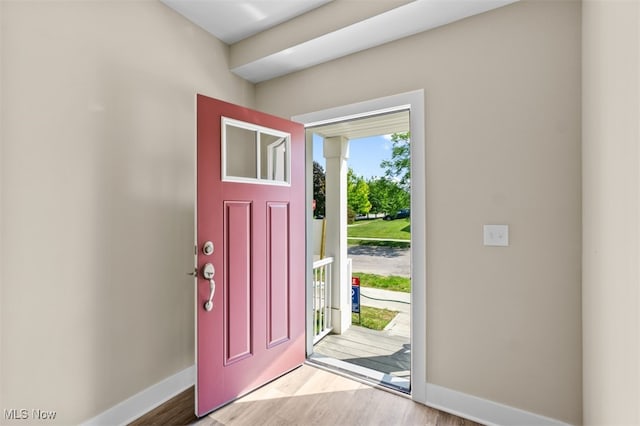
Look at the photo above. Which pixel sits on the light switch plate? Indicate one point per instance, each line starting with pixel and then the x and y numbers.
pixel 496 235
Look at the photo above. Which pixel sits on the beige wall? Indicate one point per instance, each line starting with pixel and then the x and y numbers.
pixel 98 190
pixel 1 191
pixel 502 98
pixel 611 214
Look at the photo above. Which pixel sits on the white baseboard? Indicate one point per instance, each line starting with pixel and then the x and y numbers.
pixel 146 400
pixel 482 410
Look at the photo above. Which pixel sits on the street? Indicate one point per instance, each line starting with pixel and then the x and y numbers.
pixel 381 260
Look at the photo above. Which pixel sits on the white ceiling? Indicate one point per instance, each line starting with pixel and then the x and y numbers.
pixel 234 20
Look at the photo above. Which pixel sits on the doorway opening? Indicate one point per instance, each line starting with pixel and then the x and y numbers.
pixel 361 288
pixel 413 102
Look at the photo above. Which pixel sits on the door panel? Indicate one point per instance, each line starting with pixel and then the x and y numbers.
pixel 252 209
pixel 237 237
pixel 277 272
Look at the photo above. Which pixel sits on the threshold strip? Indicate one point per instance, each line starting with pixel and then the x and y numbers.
pixel 366 375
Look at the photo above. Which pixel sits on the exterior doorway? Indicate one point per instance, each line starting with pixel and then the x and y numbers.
pixel 374 341
pixel 340 313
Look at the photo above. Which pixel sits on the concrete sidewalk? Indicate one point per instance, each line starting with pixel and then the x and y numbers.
pixel 393 300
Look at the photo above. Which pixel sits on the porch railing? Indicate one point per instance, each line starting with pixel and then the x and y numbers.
pixel 322 298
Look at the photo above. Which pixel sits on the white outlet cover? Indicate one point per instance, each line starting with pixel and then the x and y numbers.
pixel 496 235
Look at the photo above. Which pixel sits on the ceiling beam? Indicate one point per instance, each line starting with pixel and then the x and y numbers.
pixel 394 24
pixel 328 18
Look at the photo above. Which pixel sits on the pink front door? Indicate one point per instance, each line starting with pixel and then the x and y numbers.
pixel 250 206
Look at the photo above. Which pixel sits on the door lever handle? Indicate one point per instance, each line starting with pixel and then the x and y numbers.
pixel 208 272
pixel 208 306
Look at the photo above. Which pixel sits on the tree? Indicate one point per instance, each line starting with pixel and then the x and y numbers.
pixel 378 195
pixel 357 193
pixel 399 167
pixel 386 196
pixel 398 198
pixel 319 189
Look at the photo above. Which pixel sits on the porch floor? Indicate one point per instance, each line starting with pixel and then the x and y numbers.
pixel 377 350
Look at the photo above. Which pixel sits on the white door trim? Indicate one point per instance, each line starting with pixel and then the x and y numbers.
pixel 414 101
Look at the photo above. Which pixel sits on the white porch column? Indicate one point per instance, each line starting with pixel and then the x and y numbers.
pixel 336 153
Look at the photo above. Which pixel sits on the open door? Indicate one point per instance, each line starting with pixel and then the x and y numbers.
pixel 250 318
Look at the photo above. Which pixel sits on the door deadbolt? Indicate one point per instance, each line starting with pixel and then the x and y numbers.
pixel 208 271
pixel 207 248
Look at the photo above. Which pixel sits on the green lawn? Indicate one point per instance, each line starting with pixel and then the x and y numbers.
pixel 378 228
pixel 391 282
pixel 373 318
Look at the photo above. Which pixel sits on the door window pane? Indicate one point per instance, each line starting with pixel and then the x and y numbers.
pixel 255 154
pixel 273 157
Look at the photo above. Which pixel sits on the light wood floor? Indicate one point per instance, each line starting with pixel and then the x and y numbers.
pixel 307 396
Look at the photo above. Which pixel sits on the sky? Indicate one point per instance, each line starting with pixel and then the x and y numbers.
pixel 365 154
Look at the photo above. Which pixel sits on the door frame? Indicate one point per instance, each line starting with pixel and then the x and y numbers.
pixel 414 102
